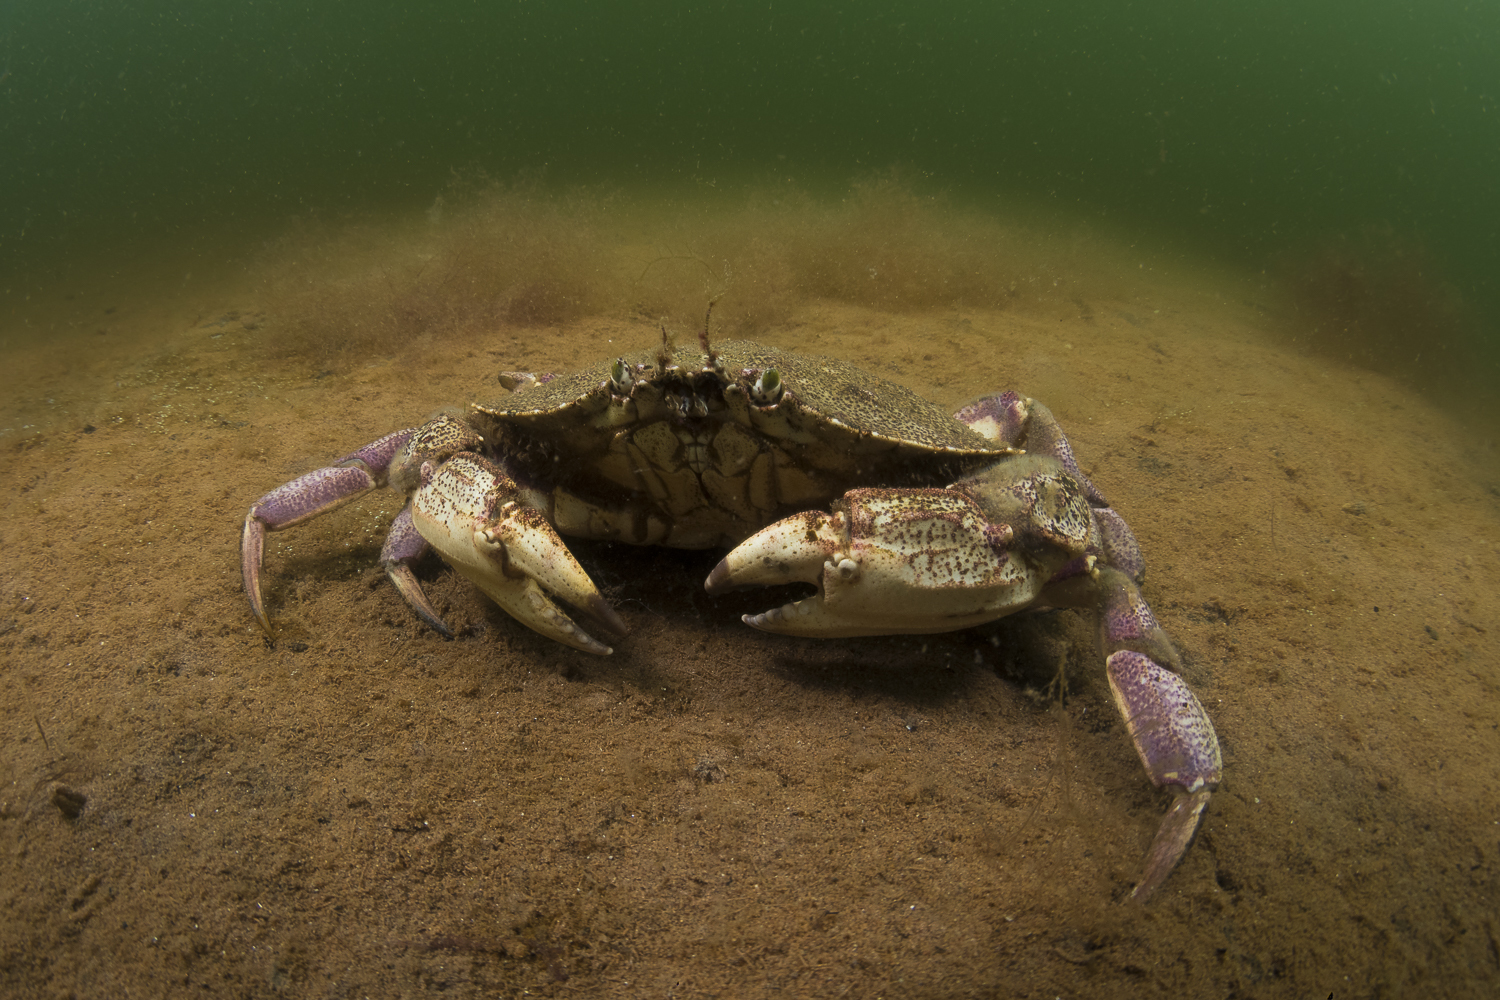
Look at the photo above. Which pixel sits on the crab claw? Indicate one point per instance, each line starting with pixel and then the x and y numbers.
pixel 474 515
pixel 886 562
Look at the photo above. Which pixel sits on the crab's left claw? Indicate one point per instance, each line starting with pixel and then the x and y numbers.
pixel 887 562
pixel 476 516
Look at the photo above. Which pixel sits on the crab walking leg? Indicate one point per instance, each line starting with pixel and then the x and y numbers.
pixel 481 522
pixel 1020 422
pixel 305 498
pixel 1167 724
pixel 1120 548
pixel 404 545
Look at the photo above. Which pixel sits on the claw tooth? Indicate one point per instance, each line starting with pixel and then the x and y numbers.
pixel 794 549
pixel 772 620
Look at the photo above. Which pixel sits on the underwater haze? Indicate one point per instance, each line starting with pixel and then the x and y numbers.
pixel 1237 130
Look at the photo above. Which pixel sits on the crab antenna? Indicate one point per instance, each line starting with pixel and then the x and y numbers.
pixel 664 356
pixel 711 354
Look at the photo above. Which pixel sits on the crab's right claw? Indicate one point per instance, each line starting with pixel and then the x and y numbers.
pixel 474 515
pixel 886 562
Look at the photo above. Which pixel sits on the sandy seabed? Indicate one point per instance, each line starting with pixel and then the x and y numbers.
pixel 366 809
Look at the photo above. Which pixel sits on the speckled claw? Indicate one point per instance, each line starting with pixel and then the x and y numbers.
pixel 887 562
pixel 473 514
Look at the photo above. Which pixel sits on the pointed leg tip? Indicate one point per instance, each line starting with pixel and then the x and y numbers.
pixel 1174 835
pixel 263 625
pixel 719 579
pixel 437 625
pixel 407 585
pixel 257 604
pixel 252 542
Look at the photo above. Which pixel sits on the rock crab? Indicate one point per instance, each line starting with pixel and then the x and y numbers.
pixel 933 522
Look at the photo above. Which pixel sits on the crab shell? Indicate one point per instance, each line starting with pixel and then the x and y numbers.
pixel 647 451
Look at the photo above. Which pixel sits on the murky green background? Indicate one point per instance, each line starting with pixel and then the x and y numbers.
pixel 1234 128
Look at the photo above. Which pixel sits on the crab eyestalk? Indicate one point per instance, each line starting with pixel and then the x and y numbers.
pixel 767 389
pixel 621 378
pixel 710 355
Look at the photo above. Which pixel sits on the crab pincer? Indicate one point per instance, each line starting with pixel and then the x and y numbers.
pixel 886 562
pixel 472 513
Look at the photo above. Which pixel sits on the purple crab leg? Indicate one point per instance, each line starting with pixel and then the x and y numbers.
pixel 1170 730
pixel 1012 419
pixel 306 497
pixel 1121 550
pixel 403 546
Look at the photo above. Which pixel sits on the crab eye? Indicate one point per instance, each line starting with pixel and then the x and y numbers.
pixel 621 378
pixel 767 388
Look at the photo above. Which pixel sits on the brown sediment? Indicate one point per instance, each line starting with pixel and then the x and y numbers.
pixel 364 807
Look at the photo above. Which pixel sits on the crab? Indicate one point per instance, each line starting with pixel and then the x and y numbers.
pixel 904 519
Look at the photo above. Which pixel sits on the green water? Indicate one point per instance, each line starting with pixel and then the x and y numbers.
pixel 1235 131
